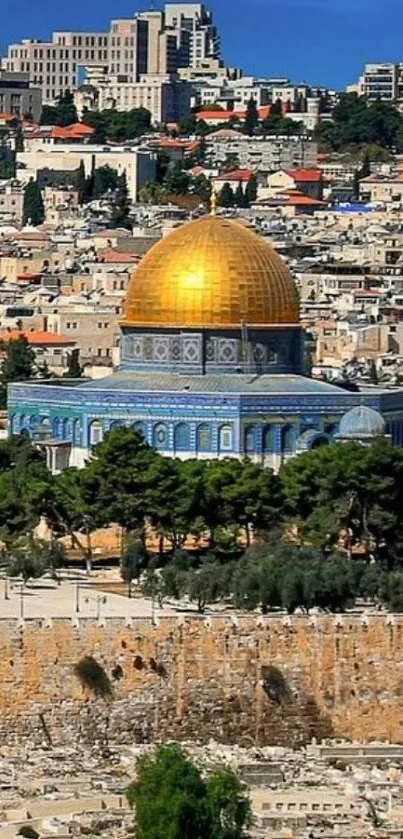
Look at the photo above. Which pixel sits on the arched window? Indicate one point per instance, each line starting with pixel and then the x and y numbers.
pixel 182 437
pixel 249 440
pixel 141 428
pixel 96 432
pixel 24 423
pixel 160 436
pixel 226 441
pixel 268 439
pixel 288 438
pixel 66 429
pixel 57 428
pixel 76 432
pixel 33 422
pixel 204 438
pixel 116 424
pixel 15 424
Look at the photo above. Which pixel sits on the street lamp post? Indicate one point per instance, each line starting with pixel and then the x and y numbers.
pixel 22 601
pixel 100 599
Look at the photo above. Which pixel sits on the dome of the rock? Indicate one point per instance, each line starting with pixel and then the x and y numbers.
pixel 212 272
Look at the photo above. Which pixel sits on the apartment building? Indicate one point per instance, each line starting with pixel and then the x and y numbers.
pixel 18 96
pixel 265 154
pixel 150 42
pixel 381 81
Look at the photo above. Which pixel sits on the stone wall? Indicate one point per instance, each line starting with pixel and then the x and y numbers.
pixel 247 680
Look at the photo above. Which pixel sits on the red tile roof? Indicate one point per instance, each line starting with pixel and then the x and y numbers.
pixel 80 128
pixel 36 338
pixel 236 175
pixel 295 198
pixel 117 256
pixel 217 115
pixel 306 175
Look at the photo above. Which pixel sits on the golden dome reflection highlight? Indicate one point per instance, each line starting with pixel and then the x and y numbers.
pixel 211 272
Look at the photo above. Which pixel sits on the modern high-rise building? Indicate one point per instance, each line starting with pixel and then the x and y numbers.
pixel 152 42
pixel 198 37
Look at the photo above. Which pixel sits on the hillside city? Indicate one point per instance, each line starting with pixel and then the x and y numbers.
pixel 201 441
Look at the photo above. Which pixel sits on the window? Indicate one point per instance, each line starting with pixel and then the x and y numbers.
pixel 268 439
pixel 226 438
pixel 160 436
pixel 182 437
pixel 76 433
pixel 287 438
pixel 204 438
pixel 141 428
pixel 96 432
pixel 249 439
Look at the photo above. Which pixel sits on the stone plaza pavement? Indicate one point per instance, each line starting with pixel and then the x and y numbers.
pixel 46 599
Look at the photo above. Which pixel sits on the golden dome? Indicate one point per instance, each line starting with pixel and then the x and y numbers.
pixel 211 272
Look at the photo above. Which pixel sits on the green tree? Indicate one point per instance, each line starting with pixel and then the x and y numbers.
pixel 227 196
pixel 177 181
pixel 251 118
pixel 74 369
pixel 120 479
pixel 33 208
pixel 176 499
pixel 18 364
pixel 356 183
pixel 240 493
pixel 188 125
pixel 172 801
pixel 105 180
pixel 239 198
pixel 366 165
pixel 121 203
pixel 81 182
pixel 276 109
pixel 24 564
pixel 133 563
pixel 97 121
pixel 351 489
pixel 207 584
pixel 251 190
pixel 229 805
pixel 62 114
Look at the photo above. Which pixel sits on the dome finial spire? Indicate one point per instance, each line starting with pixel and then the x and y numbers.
pixel 213 203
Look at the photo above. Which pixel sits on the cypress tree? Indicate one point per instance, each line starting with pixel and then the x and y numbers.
pixel 33 210
pixel 239 199
pixel 81 182
pixel 121 203
pixel 227 196
pixel 251 119
pixel 74 370
pixel 251 191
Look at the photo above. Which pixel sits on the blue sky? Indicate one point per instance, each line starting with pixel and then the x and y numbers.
pixel 320 41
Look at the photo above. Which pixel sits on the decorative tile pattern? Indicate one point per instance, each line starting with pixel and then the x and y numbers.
pixel 192 350
pixel 161 349
pixel 227 350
